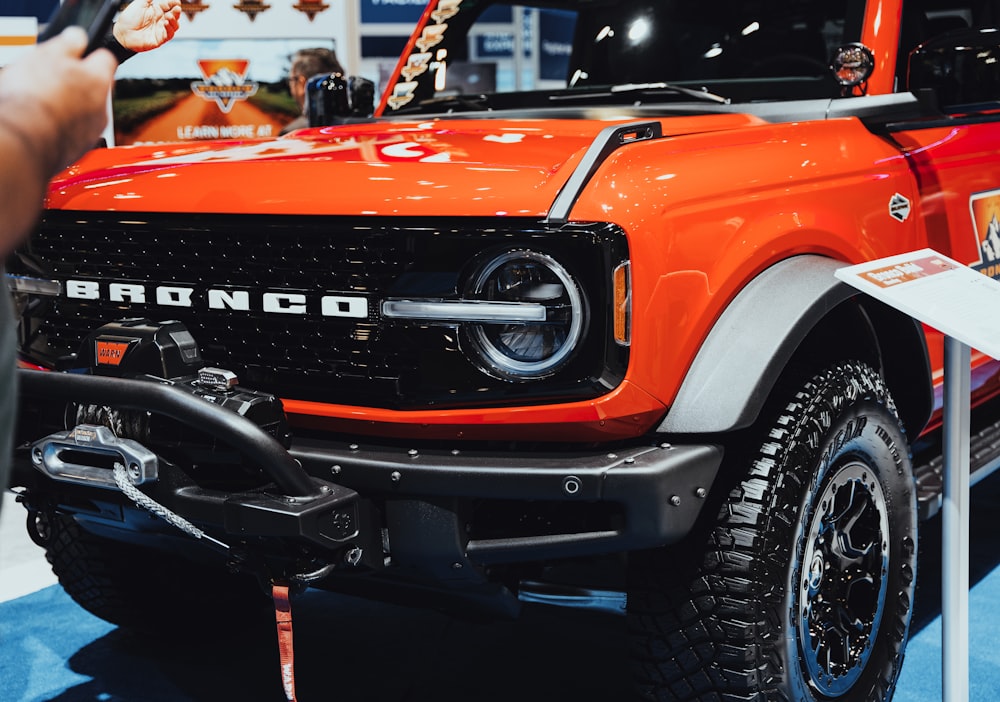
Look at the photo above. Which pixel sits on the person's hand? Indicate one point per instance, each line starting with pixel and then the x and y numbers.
pixel 55 102
pixel 146 24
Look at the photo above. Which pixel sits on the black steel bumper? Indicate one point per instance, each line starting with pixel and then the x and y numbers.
pixel 323 492
pixel 660 489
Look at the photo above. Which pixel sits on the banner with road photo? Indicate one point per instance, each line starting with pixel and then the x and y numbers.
pixel 196 89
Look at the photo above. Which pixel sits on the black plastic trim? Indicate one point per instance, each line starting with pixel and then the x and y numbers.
pixel 609 140
pixel 661 489
pixel 875 111
pixel 767 321
pixel 389 364
pixel 778 308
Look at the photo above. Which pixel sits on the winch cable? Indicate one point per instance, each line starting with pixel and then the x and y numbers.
pixel 279 589
pixel 148 503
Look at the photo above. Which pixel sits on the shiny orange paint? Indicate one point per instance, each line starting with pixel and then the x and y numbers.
pixel 717 209
pixel 955 165
pixel 881 35
pixel 467 168
pixel 705 209
pixel 459 167
pixel 626 411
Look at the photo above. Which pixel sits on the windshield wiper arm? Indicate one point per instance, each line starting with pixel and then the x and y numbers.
pixel 701 95
pixel 448 103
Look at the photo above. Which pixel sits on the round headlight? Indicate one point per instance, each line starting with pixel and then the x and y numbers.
pixel 526 350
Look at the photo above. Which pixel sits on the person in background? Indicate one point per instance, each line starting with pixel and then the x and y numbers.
pixel 53 109
pixel 307 63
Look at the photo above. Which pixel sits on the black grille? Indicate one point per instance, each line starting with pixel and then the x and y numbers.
pixel 309 356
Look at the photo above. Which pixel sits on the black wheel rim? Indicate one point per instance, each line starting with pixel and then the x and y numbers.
pixel 842 578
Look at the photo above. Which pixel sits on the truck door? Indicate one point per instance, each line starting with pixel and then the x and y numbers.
pixel 955 151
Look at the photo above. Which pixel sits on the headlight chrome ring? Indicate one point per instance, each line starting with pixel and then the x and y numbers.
pixel 524 351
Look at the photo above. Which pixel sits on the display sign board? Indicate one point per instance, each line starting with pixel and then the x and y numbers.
pixel 206 89
pixel 936 290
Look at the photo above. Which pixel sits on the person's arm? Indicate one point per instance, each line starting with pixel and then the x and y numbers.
pixel 143 25
pixel 53 108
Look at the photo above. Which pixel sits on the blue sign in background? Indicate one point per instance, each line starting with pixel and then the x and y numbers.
pixel 42 9
pixel 496 45
pixel 555 43
pixel 391 11
pixel 555 30
pixel 498 13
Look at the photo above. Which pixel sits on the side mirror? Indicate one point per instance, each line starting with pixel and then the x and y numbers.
pixel 961 68
pixel 332 98
pixel 852 66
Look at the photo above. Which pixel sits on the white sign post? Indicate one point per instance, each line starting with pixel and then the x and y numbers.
pixel 950 297
pixel 955 524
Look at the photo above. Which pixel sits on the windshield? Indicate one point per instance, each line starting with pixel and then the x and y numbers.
pixel 535 54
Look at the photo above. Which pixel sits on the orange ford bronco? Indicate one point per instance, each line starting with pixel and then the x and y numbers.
pixel 555 320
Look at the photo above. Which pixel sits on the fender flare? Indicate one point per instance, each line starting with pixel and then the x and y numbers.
pixel 753 340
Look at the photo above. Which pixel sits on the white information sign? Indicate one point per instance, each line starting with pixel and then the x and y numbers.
pixel 956 300
pixel 936 290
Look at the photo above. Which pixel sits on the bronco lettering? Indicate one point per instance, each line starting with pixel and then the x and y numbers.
pixel 270 301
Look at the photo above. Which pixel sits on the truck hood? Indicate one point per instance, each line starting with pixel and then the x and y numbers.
pixel 482 167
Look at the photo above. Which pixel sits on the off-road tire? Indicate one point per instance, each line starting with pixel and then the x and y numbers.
pixel 818 529
pixel 148 591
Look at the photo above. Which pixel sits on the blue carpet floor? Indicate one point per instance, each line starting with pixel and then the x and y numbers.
pixel 54 651
pixel 350 650
pixel 347 650
pixel 921 680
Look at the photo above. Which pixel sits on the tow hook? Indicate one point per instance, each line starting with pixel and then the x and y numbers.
pixel 314 575
pixel 38 526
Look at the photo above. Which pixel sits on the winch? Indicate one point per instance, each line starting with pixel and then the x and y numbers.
pixel 167 353
pixel 143 408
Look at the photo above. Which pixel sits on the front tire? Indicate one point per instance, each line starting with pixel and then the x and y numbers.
pixel 801 587
pixel 147 591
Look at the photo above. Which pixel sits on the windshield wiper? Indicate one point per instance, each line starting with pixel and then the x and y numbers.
pixel 448 103
pixel 649 89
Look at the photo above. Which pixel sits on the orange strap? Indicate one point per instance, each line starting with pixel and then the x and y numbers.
pixel 286 651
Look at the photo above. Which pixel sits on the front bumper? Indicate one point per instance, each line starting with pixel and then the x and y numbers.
pixel 339 495
pixel 660 489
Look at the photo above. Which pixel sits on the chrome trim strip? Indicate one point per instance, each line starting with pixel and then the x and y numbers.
pixel 465 311
pixel 33 286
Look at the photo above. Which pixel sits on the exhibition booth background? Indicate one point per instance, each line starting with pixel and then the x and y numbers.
pixel 223 75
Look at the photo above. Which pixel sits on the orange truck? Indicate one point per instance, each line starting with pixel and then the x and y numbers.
pixel 553 320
